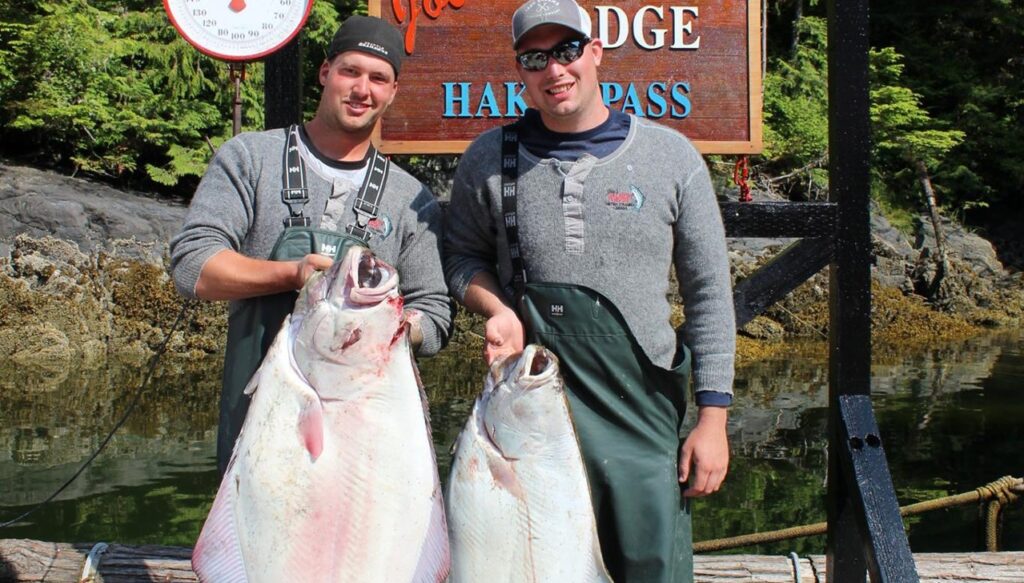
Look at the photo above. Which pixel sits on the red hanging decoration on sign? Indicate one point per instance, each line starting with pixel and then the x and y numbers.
pixel 739 175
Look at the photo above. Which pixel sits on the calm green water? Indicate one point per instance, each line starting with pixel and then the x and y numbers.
pixel 952 419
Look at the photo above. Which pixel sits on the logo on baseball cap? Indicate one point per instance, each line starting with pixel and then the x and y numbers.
pixel 534 13
pixel 370 35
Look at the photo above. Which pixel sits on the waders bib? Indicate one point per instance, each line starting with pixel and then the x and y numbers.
pixel 255 322
pixel 627 412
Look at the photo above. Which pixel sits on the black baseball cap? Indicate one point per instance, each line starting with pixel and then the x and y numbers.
pixel 370 35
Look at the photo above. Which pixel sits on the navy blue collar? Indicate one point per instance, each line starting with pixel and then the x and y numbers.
pixel 598 142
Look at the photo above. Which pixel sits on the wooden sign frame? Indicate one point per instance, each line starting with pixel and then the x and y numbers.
pixel 433 30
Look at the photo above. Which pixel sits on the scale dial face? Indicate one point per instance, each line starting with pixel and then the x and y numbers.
pixel 238 30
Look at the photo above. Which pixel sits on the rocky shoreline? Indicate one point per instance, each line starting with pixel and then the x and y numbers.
pixel 83 276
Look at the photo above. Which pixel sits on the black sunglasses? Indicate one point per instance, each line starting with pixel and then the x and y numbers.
pixel 564 52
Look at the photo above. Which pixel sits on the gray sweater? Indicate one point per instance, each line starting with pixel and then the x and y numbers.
pixel 616 225
pixel 238 206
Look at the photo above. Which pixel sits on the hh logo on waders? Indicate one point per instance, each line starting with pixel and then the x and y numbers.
pixel 328 249
pixel 557 310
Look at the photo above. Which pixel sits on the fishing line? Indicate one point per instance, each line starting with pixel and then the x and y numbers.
pixel 131 407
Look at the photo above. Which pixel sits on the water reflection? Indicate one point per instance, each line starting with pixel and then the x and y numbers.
pixel 950 417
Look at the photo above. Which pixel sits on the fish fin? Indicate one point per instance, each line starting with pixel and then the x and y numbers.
pixel 435 554
pixel 254 382
pixel 217 556
pixel 311 428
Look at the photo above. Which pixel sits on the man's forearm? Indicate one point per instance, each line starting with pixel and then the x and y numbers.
pixel 484 296
pixel 229 275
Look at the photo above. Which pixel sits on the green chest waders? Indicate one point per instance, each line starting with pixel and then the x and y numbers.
pixel 255 322
pixel 627 412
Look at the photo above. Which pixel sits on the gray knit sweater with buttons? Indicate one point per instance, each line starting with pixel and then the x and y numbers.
pixel 616 225
pixel 238 206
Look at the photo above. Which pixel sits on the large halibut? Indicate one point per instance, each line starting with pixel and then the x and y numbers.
pixel 333 477
pixel 517 500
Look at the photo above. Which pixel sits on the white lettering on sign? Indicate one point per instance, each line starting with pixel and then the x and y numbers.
pixel 682 27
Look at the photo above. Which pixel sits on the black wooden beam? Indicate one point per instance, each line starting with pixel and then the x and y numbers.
pixel 778 219
pixel 282 86
pixel 773 280
pixel 868 480
pixel 850 531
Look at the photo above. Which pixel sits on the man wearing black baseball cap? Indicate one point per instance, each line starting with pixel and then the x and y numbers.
pixel 275 206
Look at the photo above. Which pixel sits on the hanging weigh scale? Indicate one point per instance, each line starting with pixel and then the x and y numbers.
pixel 238 31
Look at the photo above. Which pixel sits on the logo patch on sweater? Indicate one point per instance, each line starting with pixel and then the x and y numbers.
pixel 626 201
pixel 380 226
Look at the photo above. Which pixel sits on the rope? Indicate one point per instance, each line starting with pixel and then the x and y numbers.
pixel 1001 492
pixel 131 407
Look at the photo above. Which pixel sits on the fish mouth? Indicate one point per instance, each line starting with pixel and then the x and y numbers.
pixel 535 367
pixel 365 280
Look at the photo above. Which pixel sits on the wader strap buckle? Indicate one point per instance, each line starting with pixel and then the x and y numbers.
pixel 294 192
pixel 297 222
pixel 367 204
pixel 295 198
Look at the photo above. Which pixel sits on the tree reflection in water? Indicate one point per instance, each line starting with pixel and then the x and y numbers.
pixel 949 416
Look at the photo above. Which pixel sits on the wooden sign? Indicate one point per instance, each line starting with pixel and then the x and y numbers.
pixel 693 66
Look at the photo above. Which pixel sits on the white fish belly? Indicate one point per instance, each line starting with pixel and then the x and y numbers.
pixel 367 509
pixel 523 520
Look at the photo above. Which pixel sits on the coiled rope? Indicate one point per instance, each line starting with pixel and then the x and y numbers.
pixel 998 494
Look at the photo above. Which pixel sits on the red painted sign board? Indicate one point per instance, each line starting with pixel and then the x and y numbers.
pixel 692 65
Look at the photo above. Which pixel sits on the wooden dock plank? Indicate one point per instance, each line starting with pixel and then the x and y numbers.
pixel 24 560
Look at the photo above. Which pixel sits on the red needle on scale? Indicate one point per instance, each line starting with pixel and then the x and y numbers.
pixel 237 5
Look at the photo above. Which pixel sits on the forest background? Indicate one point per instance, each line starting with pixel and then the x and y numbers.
pixel 107 88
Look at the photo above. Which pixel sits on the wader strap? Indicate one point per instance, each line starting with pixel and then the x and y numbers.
pixel 509 177
pixel 294 192
pixel 367 204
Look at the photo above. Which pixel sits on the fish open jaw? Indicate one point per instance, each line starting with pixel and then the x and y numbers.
pixel 536 367
pixel 365 280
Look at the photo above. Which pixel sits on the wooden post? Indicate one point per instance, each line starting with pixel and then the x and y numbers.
pixel 857 542
pixel 282 86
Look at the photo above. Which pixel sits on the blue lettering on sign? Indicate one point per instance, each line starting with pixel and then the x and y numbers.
pixel 628 99
pixel 514 104
pixel 631 104
pixel 611 93
pixel 655 99
pixel 488 101
pixel 681 99
pixel 457 100
pixel 450 99
pixel 662 100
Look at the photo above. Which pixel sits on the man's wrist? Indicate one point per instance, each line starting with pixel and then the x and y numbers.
pixel 711 414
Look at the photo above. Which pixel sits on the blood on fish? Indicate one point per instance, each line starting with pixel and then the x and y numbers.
pixel 352 338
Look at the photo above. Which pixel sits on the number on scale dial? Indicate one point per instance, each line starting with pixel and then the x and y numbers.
pixel 238 30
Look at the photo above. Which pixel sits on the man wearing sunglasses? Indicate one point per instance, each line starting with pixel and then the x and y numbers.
pixel 562 230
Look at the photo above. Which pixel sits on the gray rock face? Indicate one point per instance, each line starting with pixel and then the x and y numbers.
pixel 92 215
pixel 969 247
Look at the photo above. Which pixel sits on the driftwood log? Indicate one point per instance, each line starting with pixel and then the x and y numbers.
pixel 30 560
